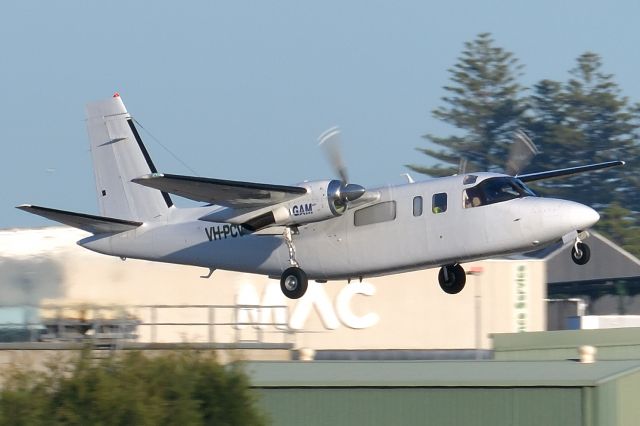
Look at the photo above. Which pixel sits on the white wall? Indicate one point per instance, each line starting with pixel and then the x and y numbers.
pixel 405 311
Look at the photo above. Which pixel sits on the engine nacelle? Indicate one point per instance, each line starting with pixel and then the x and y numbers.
pixel 322 201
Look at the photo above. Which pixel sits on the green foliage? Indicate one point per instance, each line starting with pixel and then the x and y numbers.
pixel 584 120
pixel 587 120
pixel 622 226
pixel 180 388
pixel 485 102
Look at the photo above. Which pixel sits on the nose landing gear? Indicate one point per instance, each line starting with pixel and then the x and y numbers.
pixel 452 278
pixel 580 252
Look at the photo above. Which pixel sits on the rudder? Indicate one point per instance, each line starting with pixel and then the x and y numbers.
pixel 119 156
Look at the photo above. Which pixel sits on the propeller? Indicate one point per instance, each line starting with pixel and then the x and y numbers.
pixel 462 166
pixel 331 144
pixel 521 153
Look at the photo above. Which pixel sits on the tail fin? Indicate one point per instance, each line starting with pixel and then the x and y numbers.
pixel 118 157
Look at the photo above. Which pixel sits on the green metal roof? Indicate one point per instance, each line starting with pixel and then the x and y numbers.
pixel 566 339
pixel 435 373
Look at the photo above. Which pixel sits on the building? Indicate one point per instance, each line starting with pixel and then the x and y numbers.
pixel 609 284
pixel 380 317
pixel 47 281
pixel 444 393
pixel 408 312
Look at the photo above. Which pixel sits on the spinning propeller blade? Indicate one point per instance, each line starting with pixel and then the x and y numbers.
pixel 331 143
pixel 462 166
pixel 521 153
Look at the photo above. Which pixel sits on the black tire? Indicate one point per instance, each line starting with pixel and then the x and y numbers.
pixel 294 283
pixel 583 256
pixel 456 279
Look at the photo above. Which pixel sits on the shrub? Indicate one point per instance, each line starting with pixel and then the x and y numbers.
pixel 185 387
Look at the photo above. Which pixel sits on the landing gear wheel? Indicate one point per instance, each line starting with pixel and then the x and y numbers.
pixel 294 282
pixel 452 278
pixel 580 254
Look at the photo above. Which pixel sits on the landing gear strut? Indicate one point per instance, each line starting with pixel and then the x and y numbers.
pixel 293 281
pixel 452 278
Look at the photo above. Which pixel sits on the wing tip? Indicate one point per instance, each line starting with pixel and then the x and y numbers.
pixel 29 208
pixel 144 178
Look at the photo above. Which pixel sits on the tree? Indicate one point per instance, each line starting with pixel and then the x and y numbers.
pixel 577 122
pixel 621 226
pixel 485 102
pixel 583 120
pixel 183 387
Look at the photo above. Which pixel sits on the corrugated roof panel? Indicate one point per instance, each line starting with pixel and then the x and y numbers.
pixel 612 344
pixel 435 373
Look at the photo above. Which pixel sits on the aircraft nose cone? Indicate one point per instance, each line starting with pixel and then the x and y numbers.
pixel 584 217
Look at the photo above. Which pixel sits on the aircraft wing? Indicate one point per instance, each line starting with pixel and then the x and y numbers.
pixel 86 222
pixel 531 177
pixel 227 193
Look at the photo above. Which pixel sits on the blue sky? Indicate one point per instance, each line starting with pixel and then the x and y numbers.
pixel 241 90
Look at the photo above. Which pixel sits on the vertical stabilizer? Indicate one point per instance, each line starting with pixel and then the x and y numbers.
pixel 118 157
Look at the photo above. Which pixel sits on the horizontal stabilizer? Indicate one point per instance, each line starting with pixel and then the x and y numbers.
pixel 531 177
pixel 227 193
pixel 86 222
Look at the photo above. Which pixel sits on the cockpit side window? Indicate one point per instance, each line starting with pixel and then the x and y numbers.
pixel 471 198
pixel 495 190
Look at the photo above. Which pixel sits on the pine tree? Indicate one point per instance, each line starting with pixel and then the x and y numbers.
pixel 485 102
pixel 582 121
pixel 621 225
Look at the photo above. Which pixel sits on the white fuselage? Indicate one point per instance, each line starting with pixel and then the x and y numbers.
pixel 340 248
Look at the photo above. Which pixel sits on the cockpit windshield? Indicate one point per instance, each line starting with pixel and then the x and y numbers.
pixel 495 190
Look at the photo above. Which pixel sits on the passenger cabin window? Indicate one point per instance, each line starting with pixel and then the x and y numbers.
pixel 417 206
pixel 495 190
pixel 381 212
pixel 439 202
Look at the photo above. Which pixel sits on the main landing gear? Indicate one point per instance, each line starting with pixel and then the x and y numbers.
pixel 452 278
pixel 293 281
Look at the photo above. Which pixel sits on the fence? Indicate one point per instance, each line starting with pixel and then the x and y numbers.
pixel 145 323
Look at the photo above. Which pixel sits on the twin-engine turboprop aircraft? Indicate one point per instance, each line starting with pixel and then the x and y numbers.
pixel 322 230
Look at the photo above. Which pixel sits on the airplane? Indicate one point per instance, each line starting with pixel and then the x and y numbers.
pixel 320 230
